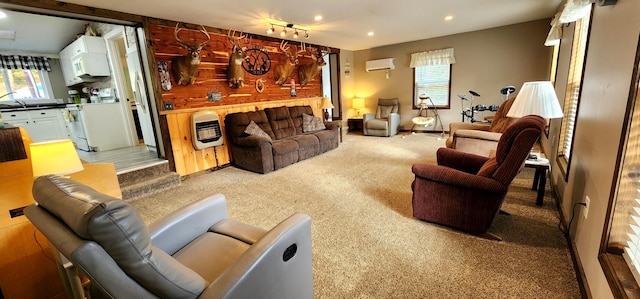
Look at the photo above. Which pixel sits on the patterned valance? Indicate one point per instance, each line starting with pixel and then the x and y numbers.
pixel 19 62
pixel 436 57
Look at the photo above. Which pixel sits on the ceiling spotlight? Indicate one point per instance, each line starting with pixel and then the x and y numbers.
pixel 318 18
pixel 283 32
pixel 271 30
pixel 295 34
pixel 306 34
pixel 370 33
pixel 448 18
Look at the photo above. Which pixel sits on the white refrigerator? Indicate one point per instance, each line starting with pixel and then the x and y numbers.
pixel 97 127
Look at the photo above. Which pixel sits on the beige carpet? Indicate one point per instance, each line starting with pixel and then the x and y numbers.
pixel 366 243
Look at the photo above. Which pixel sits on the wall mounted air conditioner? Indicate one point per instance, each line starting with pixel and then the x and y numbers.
pixel 380 64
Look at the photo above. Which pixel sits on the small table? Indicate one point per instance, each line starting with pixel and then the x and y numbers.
pixel 354 124
pixel 541 165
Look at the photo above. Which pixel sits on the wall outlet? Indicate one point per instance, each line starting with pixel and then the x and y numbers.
pixel 585 211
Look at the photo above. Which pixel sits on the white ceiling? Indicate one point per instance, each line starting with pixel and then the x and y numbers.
pixel 345 23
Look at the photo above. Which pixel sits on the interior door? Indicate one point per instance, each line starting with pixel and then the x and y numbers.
pixel 140 96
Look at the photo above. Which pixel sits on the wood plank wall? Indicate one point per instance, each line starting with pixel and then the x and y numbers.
pixel 212 77
pixel 188 160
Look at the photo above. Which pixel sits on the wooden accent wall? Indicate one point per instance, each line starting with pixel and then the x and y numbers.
pixel 188 160
pixel 212 76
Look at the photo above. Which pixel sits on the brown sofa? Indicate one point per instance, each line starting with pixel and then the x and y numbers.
pixel 287 141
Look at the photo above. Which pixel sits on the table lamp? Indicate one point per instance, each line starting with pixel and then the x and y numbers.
pixel 54 157
pixel 357 103
pixel 326 105
pixel 537 98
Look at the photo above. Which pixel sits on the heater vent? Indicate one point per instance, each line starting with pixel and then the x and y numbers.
pixel 206 131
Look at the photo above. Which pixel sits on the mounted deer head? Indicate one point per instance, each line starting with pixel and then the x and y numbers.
pixel 185 68
pixel 283 70
pixel 235 72
pixel 307 72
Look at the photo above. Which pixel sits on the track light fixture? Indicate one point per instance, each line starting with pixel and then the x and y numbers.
pixel 271 30
pixel 297 29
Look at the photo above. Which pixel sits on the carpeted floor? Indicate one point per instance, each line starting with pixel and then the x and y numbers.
pixel 366 243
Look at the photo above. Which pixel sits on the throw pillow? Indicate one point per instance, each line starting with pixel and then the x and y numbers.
pixel 312 123
pixel 254 130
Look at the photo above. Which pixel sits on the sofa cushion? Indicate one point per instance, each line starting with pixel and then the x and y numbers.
pixel 281 122
pixel 236 123
pixel 254 130
pixel 311 123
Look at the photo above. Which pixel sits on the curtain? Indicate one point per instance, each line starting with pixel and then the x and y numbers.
pixel 19 62
pixel 435 57
pixel 569 11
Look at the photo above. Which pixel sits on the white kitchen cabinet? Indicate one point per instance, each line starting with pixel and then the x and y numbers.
pixel 87 52
pixel 42 125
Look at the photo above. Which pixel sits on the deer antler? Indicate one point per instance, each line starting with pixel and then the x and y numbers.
pixel 185 45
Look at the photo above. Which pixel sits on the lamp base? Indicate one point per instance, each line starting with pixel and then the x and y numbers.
pixel 326 115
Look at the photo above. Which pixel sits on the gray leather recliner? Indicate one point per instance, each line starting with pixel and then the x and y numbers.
pixel 195 252
pixel 385 122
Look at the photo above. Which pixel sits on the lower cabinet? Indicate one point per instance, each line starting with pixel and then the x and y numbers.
pixel 42 125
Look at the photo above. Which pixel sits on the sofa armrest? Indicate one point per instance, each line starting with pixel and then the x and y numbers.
pixel 332 125
pixel 467 162
pixel 172 232
pixel 263 272
pixel 453 177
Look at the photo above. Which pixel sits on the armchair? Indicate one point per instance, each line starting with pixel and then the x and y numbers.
pixel 195 252
pixel 385 122
pixel 480 139
pixel 465 191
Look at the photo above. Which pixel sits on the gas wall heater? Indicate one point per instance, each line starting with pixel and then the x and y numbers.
pixel 205 129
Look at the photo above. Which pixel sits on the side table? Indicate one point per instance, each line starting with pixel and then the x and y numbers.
pixel 354 124
pixel 541 165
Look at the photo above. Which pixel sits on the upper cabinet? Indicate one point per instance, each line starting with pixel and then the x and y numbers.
pixel 84 60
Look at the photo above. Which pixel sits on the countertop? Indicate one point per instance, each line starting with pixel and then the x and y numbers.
pixel 31 107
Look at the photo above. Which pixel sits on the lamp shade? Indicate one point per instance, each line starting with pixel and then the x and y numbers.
pixel 357 103
pixel 538 98
pixel 326 103
pixel 54 157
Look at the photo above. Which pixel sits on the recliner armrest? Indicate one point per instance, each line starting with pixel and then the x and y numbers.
pixel 457 178
pixel 368 116
pixel 476 134
pixel 172 232
pixel 332 125
pixel 453 127
pixel 262 272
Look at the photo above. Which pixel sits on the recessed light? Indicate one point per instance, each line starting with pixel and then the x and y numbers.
pixel 2 14
pixel 448 18
pixel 318 18
pixel 370 33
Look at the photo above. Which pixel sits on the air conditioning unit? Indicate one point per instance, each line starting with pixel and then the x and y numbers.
pixel 380 64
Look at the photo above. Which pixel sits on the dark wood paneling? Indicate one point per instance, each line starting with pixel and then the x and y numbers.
pixel 212 75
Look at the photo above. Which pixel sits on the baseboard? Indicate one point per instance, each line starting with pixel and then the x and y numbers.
pixel 575 258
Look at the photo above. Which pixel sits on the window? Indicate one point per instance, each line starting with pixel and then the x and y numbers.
pixel 432 76
pixel 572 95
pixel 24 85
pixel 434 81
pixel 620 250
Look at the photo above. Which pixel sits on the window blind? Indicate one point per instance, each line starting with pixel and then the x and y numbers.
pixel 574 84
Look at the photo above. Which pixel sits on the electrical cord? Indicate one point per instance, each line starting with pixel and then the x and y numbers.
pixel 573 211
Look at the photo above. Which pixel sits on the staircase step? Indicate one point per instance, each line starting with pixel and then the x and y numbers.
pixel 147 180
pixel 151 185
pixel 142 174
